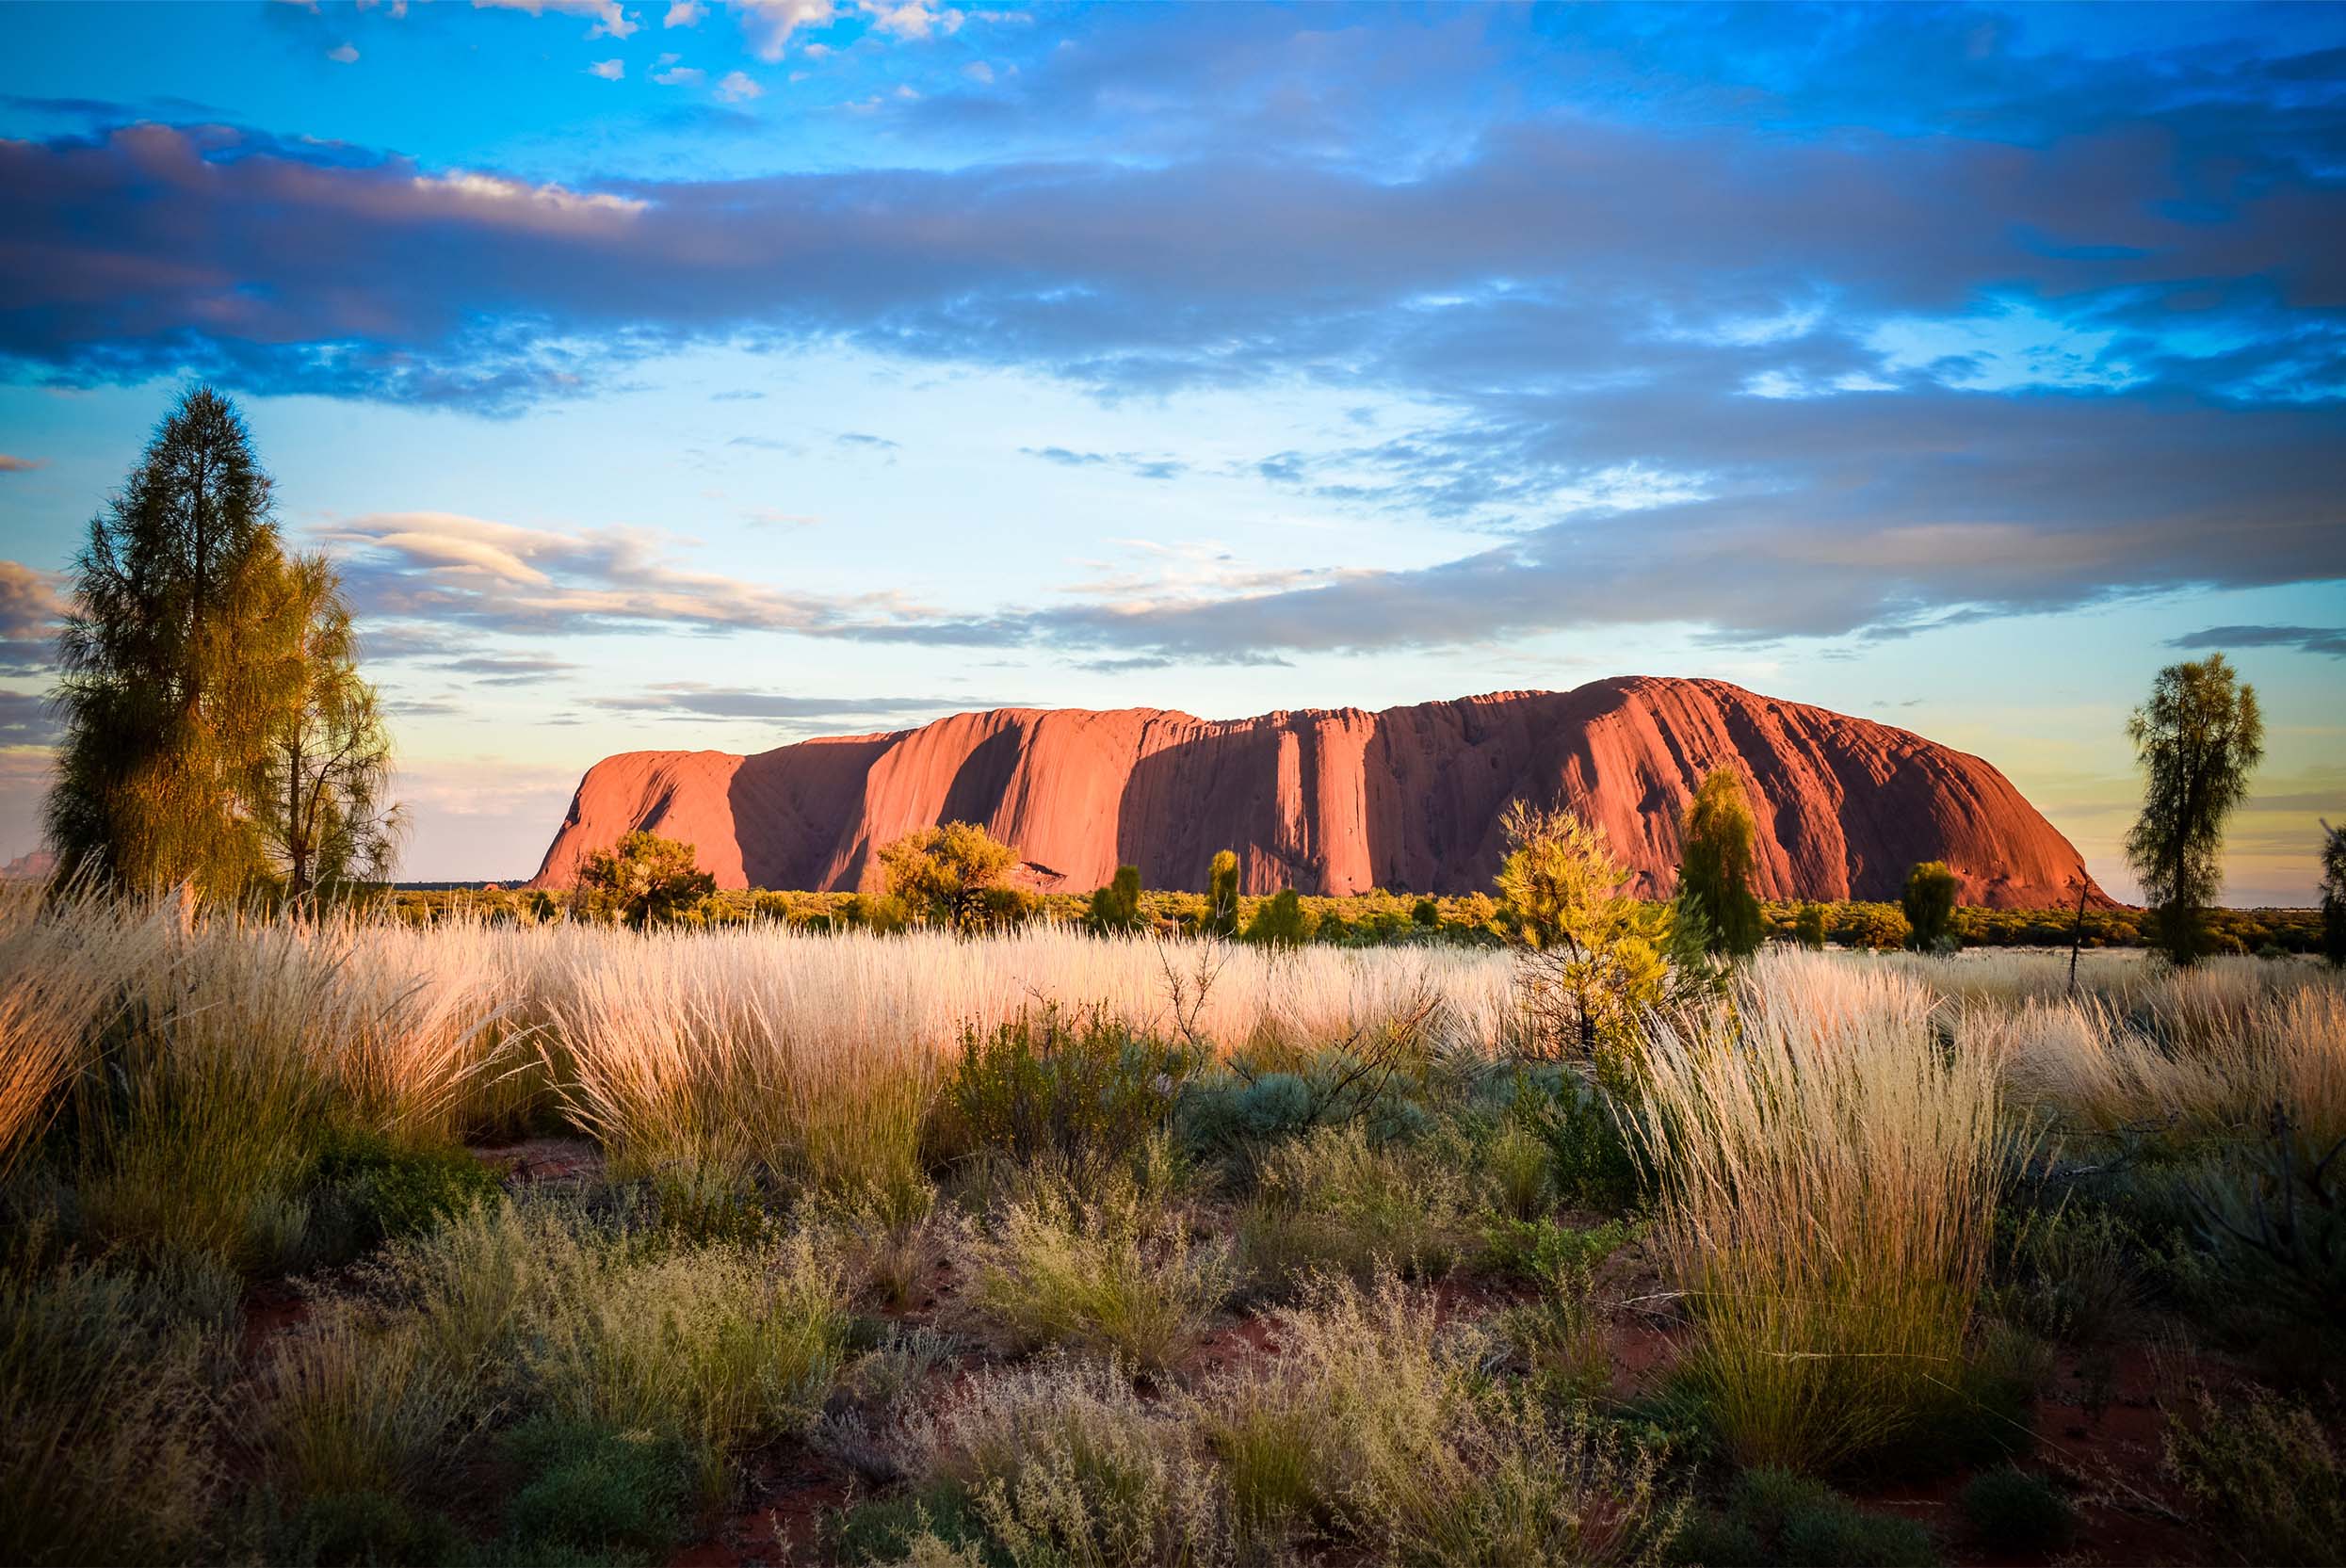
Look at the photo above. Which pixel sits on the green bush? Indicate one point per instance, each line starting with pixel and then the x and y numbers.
pixel 1595 1164
pixel 618 1497
pixel 2011 1511
pixel 1808 926
pixel 368 1190
pixel 1280 921
pixel 1081 1090
pixel 1547 1253
pixel 1775 1519
pixel 1117 905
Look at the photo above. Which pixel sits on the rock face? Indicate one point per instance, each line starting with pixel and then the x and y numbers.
pixel 1343 800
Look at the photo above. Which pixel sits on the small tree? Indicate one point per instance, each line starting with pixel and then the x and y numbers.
pixel 645 880
pixel 947 872
pixel 1808 926
pixel 319 791
pixel 1222 894
pixel 1595 961
pixel 1928 901
pixel 1716 870
pixel 1117 905
pixel 1280 921
pixel 2334 893
pixel 2197 740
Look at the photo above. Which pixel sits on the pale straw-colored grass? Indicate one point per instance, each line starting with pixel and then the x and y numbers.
pixel 1827 1195
pixel 820 1055
pixel 2197 1063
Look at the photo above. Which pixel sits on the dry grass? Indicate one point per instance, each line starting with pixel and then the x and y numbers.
pixel 2201 1056
pixel 1827 1202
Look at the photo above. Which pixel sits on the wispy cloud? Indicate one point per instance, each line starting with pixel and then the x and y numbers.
pixel 2328 642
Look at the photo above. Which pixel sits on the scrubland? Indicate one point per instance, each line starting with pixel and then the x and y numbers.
pixel 366 1242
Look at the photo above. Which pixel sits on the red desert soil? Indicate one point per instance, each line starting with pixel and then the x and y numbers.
pixel 1342 800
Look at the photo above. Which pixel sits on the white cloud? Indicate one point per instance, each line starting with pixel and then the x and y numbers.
pixel 683 75
pixel 768 23
pixel 978 70
pixel 453 570
pixel 343 54
pixel 610 71
pixel 911 20
pixel 609 21
pixel 736 87
pixel 527 201
pixel 685 13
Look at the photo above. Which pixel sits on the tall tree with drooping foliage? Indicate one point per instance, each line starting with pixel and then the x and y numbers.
pixel 2197 740
pixel 321 793
pixel 166 716
pixel 1716 869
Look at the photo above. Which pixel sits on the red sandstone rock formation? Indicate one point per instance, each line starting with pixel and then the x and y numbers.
pixel 1345 801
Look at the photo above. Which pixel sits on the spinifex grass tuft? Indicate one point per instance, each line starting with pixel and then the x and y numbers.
pixel 1827 1203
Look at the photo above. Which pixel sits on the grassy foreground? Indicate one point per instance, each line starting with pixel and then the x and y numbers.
pixel 369 1242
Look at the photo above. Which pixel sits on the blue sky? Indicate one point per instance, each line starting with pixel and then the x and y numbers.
pixel 678 375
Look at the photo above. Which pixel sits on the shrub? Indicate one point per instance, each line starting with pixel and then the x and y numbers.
pixel 1808 926
pixel 1928 901
pixel 1334 1199
pixel 1583 1126
pixel 1117 905
pixel 2011 1510
pixel 1067 1466
pixel 1378 1423
pixel 605 1493
pixel 1549 1253
pixel 1280 921
pixel 1082 1090
pixel 1560 1341
pixel 1366 1381
pixel 1591 962
pixel 1518 1485
pixel 1425 913
pixel 106 1444
pixel 1876 927
pixel 2266 1469
pixel 370 1189
pixel 644 880
pixel 1772 1516
pixel 1119 1275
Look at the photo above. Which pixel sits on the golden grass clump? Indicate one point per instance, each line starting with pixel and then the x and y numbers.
pixel 1827 1200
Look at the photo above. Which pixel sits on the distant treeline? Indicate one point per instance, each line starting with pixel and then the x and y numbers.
pixel 1368 919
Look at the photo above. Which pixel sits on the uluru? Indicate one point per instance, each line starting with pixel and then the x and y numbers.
pixel 1341 801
